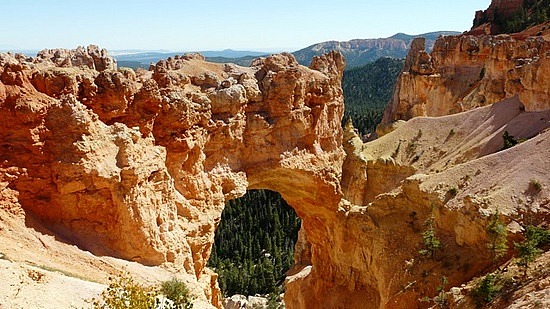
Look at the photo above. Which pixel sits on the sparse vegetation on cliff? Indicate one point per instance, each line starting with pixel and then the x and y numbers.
pixel 453 191
pixel 430 240
pixel 535 185
pixel 176 291
pixel 440 300
pixel 497 236
pixel 486 290
pixel 508 140
pixel 535 238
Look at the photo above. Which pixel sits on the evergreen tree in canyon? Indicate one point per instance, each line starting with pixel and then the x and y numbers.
pixel 367 91
pixel 254 243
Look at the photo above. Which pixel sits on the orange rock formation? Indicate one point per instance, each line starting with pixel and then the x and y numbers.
pixel 466 71
pixel 139 165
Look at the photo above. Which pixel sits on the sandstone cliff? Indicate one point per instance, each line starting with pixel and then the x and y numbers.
pixel 139 166
pixel 446 171
pixel 466 71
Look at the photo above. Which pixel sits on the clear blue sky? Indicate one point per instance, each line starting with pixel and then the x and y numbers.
pixel 214 25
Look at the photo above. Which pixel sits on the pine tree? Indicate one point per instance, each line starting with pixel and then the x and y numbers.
pixel 254 243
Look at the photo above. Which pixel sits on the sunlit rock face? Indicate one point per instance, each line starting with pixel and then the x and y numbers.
pixel 467 71
pixel 445 169
pixel 140 165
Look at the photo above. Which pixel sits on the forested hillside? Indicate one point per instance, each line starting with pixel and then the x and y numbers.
pixel 367 90
pixel 254 243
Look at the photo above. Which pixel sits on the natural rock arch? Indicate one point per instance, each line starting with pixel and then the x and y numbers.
pixel 139 166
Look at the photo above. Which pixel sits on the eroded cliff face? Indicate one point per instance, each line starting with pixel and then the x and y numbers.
pixel 446 173
pixel 466 71
pixel 450 169
pixel 139 166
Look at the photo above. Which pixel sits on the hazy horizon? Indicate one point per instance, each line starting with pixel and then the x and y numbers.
pixel 211 26
pixel 116 52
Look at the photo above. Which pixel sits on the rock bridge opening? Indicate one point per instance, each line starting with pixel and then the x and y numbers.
pixel 254 244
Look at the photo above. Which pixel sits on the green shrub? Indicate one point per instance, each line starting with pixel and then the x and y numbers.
pixel 535 185
pixel 176 291
pixel 497 236
pixel 486 290
pixel 430 240
pixel 453 191
pixel 440 300
pixel 273 300
pixel 529 249
pixel 508 140
pixel 452 133
pixel 124 293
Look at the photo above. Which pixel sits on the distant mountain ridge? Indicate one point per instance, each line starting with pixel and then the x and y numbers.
pixel 359 52
pixel 136 59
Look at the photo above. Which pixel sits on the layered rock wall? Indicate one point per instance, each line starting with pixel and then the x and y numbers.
pixel 465 72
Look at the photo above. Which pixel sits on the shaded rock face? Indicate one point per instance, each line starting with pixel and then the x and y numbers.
pixel 484 20
pixel 465 72
pixel 139 166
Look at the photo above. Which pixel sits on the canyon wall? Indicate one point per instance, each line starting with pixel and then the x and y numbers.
pixel 466 71
pixel 446 174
